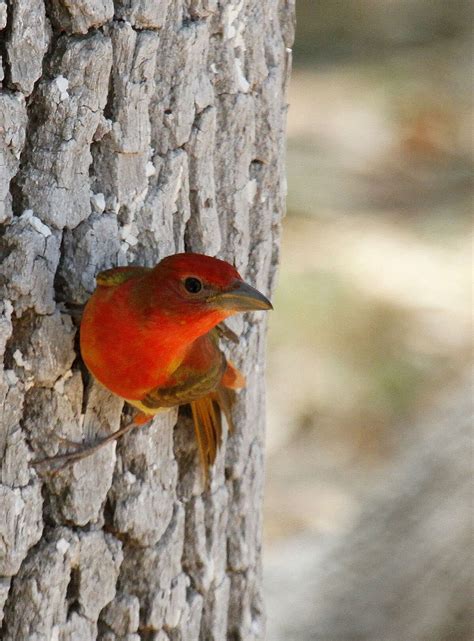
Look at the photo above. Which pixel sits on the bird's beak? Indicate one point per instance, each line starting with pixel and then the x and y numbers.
pixel 241 298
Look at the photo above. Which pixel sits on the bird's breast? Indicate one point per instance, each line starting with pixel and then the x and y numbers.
pixel 124 353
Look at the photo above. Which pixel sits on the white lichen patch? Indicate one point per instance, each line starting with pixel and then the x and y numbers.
pixel 59 384
pixel 251 191
pixel 114 204
pixel 20 361
pixel 98 202
pixel 7 309
pixel 36 223
pixel 127 233
pixel 130 478
pixel 3 15
pixel 62 84
pixel 63 546
pixel 150 169
pixel 242 82
pixel 234 30
pixel 230 14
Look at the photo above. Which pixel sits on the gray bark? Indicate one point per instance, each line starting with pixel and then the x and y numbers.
pixel 130 130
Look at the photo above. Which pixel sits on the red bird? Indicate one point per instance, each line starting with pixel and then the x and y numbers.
pixel 150 336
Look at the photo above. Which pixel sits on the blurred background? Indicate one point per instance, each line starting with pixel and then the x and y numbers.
pixel 368 531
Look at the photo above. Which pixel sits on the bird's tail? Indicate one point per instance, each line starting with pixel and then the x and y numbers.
pixel 207 417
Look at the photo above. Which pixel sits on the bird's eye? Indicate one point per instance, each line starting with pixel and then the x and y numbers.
pixel 193 285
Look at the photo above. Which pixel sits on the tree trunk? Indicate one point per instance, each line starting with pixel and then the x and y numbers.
pixel 131 130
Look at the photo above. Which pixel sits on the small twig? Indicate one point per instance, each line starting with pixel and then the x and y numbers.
pixel 226 332
pixel 72 457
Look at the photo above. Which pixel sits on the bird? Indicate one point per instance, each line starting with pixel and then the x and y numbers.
pixel 151 337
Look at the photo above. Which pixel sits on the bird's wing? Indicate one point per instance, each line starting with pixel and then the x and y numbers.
pixel 205 380
pixel 192 385
pixel 119 275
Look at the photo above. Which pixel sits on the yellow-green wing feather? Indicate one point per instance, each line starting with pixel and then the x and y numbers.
pixel 118 275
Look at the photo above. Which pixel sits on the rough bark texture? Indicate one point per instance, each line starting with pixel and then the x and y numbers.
pixel 130 130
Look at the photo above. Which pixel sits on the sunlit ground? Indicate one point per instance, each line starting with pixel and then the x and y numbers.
pixel 373 306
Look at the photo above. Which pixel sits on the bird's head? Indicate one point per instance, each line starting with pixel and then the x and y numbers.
pixel 204 288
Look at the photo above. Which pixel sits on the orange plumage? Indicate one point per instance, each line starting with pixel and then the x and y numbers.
pixel 149 336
